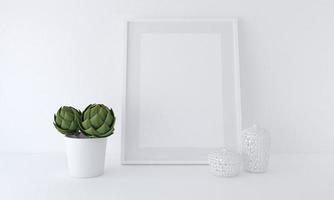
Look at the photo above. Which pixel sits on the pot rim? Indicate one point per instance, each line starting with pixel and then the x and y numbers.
pixel 75 137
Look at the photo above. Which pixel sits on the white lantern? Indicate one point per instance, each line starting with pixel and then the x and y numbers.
pixel 224 162
pixel 255 149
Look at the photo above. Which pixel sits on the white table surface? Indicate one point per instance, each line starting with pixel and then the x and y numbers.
pixel 44 176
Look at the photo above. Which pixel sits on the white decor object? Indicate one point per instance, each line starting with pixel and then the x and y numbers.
pixel 182 94
pixel 224 162
pixel 255 149
pixel 85 156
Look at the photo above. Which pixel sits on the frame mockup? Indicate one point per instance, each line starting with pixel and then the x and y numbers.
pixel 181 90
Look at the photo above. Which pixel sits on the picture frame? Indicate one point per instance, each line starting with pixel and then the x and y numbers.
pixel 181 90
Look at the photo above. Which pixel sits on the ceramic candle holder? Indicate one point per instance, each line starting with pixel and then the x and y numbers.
pixel 224 162
pixel 255 149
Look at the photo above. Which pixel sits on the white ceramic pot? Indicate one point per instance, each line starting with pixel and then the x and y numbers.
pixel 85 156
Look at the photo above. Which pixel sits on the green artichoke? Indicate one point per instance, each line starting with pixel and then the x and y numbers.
pixel 67 120
pixel 97 120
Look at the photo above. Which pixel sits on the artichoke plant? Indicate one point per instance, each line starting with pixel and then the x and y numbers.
pixel 97 120
pixel 67 120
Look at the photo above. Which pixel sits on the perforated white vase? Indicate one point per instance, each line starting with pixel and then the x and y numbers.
pixel 85 156
pixel 255 149
pixel 224 162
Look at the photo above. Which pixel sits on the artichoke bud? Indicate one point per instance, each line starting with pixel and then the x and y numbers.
pixel 97 121
pixel 67 120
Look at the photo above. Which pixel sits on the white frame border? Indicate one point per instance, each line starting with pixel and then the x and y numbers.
pixel 234 22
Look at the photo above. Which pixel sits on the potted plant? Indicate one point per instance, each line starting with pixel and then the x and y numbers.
pixel 85 137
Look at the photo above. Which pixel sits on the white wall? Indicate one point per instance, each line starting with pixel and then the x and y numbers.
pixel 69 52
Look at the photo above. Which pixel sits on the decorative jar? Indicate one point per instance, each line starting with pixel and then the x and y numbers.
pixel 224 162
pixel 255 149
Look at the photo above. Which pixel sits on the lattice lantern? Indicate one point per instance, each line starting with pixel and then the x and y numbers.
pixel 255 149
pixel 224 162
